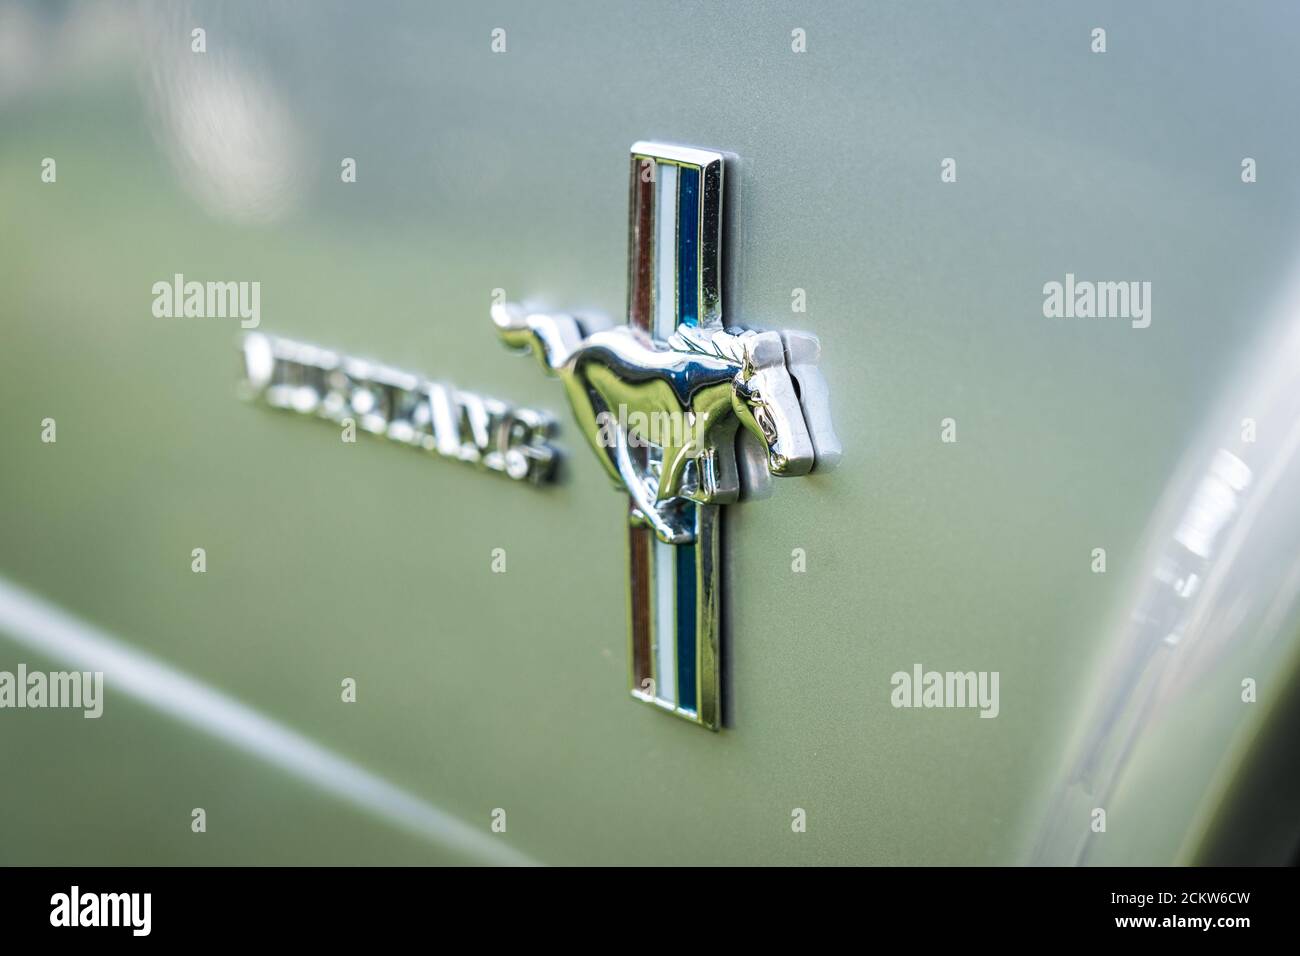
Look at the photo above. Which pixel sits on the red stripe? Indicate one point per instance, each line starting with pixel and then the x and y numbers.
pixel 640 298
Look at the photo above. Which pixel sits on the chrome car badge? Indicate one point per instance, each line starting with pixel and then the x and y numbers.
pixel 660 399
pixel 400 406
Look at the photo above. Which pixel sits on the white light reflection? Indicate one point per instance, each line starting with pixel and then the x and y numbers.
pixel 41 626
pixel 235 144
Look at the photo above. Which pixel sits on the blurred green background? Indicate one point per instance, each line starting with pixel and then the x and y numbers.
pixel 480 170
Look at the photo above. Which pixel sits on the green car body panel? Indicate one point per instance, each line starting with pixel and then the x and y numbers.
pixel 478 691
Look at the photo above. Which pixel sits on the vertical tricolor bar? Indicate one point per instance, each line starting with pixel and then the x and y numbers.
pixel 675 238
pixel 674 275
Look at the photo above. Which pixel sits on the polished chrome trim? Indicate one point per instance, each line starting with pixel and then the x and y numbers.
pixel 400 406
pixel 674 361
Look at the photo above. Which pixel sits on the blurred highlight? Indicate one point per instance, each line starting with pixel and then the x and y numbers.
pixel 41 626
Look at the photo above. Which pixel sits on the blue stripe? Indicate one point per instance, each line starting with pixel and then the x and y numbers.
pixel 688 229
pixel 686 626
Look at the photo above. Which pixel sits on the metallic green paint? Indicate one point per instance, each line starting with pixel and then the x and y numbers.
pixel 479 690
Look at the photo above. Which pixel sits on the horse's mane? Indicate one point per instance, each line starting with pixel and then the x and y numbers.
pixel 730 345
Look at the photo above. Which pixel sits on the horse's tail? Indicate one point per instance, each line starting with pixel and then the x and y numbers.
pixel 552 337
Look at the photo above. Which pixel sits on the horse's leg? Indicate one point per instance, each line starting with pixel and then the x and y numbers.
pixel 673 532
pixel 712 443
pixel 674 467
pixel 601 431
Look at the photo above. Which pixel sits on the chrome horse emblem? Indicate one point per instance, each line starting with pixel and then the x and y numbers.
pixel 709 382
pixel 675 364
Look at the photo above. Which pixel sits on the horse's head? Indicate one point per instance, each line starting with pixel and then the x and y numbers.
pixel 765 399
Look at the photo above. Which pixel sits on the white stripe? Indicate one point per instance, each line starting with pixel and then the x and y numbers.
pixel 665 577
pixel 665 323
pixel 41 626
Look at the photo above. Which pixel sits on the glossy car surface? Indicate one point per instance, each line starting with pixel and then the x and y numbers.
pixel 480 691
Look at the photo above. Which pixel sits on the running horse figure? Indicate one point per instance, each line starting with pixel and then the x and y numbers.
pixel 661 400
pixel 705 382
